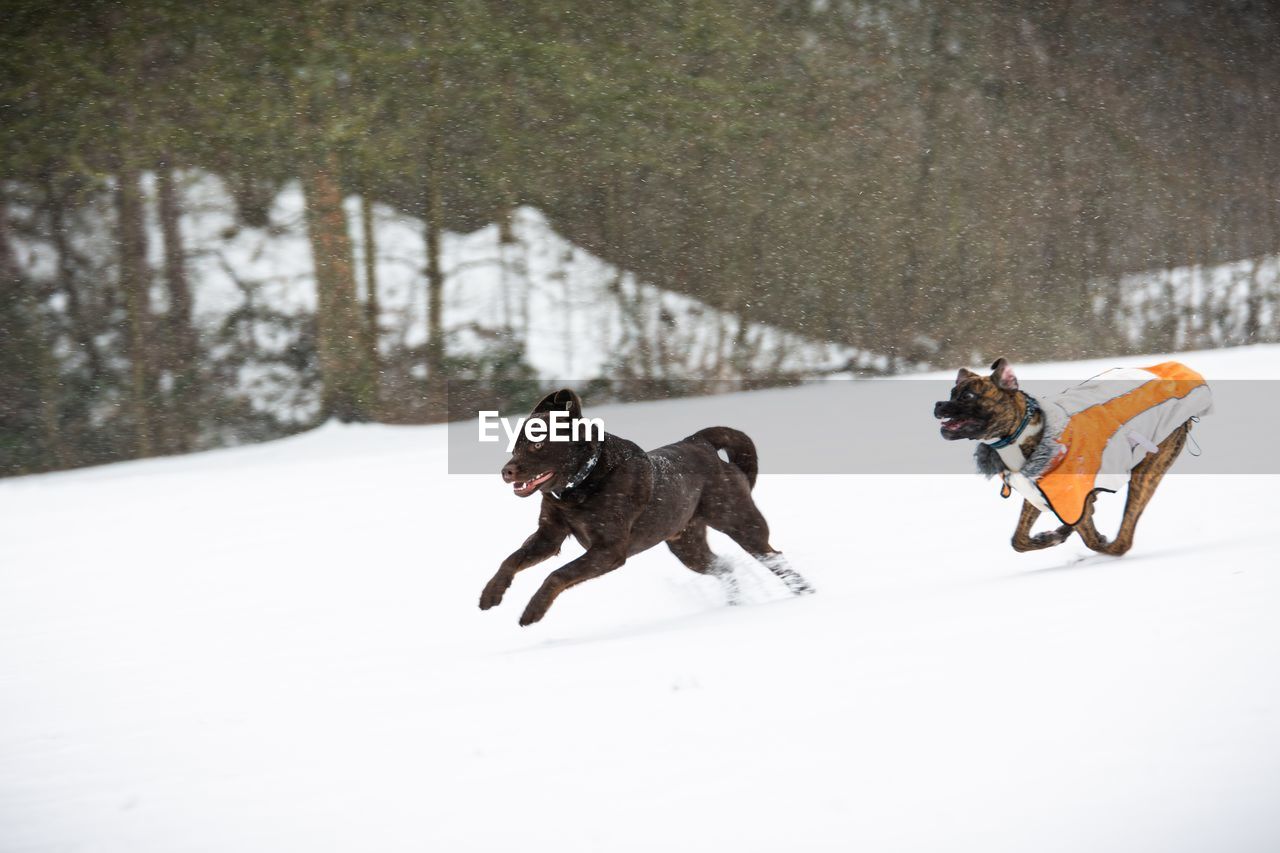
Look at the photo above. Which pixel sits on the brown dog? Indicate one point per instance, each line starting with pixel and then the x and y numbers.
pixel 617 500
pixel 1059 450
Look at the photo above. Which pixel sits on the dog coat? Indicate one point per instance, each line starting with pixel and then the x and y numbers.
pixel 1096 432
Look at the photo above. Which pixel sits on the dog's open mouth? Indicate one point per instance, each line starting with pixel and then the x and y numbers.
pixel 528 487
pixel 957 424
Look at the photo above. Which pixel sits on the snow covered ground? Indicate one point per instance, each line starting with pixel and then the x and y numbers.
pixel 277 647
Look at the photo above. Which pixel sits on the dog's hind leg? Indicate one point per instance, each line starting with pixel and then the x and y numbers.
pixel 776 563
pixel 745 524
pixel 1024 541
pixel 1142 485
pixel 691 548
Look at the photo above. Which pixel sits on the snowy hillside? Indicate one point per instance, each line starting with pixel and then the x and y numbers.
pixel 1209 305
pixel 570 314
pixel 278 647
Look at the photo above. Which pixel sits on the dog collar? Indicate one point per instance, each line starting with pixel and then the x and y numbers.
pixel 581 475
pixel 1032 408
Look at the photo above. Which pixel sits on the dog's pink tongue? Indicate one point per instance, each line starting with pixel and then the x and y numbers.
pixel 526 488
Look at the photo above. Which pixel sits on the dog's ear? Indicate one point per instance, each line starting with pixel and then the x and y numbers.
pixel 965 373
pixel 1002 375
pixel 563 400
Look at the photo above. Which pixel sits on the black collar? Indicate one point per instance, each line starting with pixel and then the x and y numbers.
pixel 1032 408
pixel 582 474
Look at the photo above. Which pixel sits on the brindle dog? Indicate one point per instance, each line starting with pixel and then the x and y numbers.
pixel 617 500
pixel 993 407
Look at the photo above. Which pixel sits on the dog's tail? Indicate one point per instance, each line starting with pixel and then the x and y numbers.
pixel 739 446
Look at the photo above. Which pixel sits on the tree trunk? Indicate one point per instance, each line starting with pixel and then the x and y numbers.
pixel 912 297
pixel 56 453
pixel 344 366
pixel 81 329
pixel 1253 305
pixel 506 244
pixel 371 305
pixel 135 283
pixel 1268 229
pixel 181 338
pixel 433 204
pixel 436 389
pixel 26 338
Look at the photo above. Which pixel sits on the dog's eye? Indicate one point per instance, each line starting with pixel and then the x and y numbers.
pixel 537 445
pixel 968 395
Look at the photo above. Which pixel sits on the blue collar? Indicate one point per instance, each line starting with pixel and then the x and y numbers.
pixel 1032 408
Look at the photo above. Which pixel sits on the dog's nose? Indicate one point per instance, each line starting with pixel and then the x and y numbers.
pixel 508 473
pixel 937 409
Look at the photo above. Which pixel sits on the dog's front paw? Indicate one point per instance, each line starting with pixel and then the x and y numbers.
pixel 493 591
pixel 533 613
